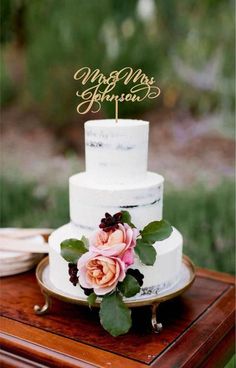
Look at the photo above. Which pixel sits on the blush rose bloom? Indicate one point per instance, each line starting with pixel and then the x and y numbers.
pixel 100 273
pixel 119 243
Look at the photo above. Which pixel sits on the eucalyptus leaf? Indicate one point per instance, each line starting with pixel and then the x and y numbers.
pixel 146 252
pixel 72 250
pixel 126 218
pixel 155 231
pixel 115 317
pixel 85 241
pixel 91 299
pixel 129 286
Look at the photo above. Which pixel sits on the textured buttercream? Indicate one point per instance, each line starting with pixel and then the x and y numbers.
pixel 116 179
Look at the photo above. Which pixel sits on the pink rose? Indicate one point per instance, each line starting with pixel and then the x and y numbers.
pixel 119 243
pixel 100 273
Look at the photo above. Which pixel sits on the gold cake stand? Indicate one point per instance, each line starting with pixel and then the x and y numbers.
pixel 49 292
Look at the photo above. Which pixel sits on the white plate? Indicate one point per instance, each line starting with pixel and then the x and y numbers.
pixel 25 263
pixel 11 257
pixel 11 262
pixel 16 269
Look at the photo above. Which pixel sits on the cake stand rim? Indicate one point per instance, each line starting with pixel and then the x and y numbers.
pixel 50 292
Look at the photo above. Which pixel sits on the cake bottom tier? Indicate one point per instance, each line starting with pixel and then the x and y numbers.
pixel 162 275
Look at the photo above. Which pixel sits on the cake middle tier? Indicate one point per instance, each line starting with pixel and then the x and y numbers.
pixel 89 201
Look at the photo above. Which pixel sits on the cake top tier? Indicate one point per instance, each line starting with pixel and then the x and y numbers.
pixel 116 152
pixel 112 124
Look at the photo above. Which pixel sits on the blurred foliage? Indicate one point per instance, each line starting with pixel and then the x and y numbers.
pixel 187 45
pixel 200 214
pixel 5 18
pixel 231 363
pixel 7 92
pixel 206 223
pixel 23 204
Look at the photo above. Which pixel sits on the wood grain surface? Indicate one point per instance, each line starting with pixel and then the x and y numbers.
pixel 195 324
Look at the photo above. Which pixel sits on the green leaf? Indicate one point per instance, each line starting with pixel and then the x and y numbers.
pixel 72 250
pixel 126 218
pixel 129 286
pixel 115 317
pixel 146 252
pixel 85 241
pixel 156 230
pixel 91 299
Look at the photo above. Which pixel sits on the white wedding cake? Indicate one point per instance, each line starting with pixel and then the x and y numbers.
pixel 116 179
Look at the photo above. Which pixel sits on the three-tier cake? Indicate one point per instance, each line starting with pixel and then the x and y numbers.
pixel 116 179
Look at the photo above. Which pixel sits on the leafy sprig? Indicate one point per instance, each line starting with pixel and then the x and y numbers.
pixel 73 249
pixel 154 231
pixel 126 218
pixel 115 317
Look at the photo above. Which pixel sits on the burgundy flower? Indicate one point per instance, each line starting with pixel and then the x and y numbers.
pixel 110 223
pixel 73 271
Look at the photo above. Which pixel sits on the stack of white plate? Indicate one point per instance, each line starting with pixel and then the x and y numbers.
pixel 13 261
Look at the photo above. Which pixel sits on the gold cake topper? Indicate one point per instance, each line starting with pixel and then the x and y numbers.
pixel 101 88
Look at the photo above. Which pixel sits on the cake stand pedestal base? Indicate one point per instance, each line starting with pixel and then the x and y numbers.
pixel 153 300
pixel 46 308
pixel 157 327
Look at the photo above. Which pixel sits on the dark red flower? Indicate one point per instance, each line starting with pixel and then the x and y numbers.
pixel 110 222
pixel 73 271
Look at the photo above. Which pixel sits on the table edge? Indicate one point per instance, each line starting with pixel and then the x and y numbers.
pixel 193 358
pixel 19 345
pixel 120 360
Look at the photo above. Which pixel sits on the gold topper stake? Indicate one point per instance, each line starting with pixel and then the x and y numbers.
pixel 116 111
pixel 101 88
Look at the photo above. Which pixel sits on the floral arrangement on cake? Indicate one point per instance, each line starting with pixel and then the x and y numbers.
pixel 101 265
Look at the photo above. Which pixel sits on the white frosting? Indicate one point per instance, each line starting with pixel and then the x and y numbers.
pixel 167 267
pixel 164 272
pixel 116 179
pixel 89 201
pixel 116 153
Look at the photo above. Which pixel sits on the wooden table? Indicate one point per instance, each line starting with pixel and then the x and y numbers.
pixel 198 329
